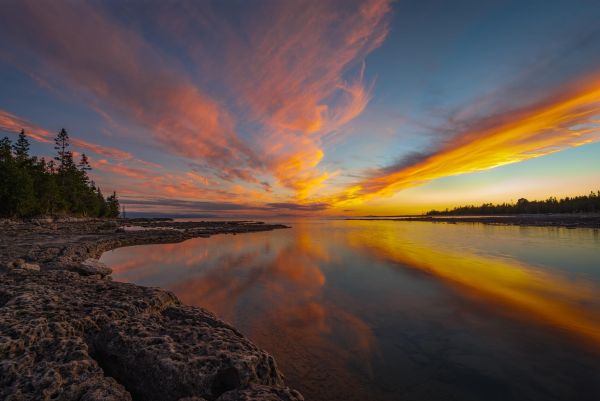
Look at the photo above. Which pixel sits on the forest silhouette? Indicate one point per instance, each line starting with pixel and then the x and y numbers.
pixel 31 186
pixel 575 204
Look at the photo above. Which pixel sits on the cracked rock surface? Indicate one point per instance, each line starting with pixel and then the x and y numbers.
pixel 73 334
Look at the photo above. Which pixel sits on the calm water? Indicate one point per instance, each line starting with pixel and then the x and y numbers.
pixel 381 310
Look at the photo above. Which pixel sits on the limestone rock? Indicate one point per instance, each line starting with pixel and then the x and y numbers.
pixel 73 337
pixel 91 267
pixel 183 351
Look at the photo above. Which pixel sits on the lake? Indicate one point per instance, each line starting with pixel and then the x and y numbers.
pixel 384 310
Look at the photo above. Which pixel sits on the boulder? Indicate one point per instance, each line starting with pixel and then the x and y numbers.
pixel 92 267
pixel 182 352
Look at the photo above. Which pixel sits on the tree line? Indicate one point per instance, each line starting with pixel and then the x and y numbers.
pixel 576 204
pixel 31 186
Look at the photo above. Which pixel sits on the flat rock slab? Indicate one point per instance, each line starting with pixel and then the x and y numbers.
pixel 71 337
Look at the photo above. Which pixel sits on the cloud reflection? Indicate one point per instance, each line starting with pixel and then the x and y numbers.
pixel 512 287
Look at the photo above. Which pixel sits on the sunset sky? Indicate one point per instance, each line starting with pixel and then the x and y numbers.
pixel 337 107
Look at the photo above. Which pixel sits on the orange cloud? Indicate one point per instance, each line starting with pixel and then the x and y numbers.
pixel 296 81
pixel 12 123
pixel 125 74
pixel 567 119
pixel 296 87
pixel 197 177
pixel 122 170
pixel 290 69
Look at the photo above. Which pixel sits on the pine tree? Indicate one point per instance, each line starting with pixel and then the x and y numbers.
pixel 112 205
pixel 5 150
pixel 64 156
pixel 6 176
pixel 84 164
pixel 21 147
pixel 29 186
pixel 101 204
pixel 17 196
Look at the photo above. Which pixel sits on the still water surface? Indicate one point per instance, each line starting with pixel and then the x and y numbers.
pixel 383 310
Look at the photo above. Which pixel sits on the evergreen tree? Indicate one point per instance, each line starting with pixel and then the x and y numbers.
pixel 84 164
pixel 17 197
pixel 112 205
pixel 64 156
pixel 21 147
pixel 578 204
pixel 30 187
pixel 6 177
pixel 101 204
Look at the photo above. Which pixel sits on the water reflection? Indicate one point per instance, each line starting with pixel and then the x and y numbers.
pixel 387 310
pixel 571 305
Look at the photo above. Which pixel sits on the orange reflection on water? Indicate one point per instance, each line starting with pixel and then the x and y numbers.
pixel 512 286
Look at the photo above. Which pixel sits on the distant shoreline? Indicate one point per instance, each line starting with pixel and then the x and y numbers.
pixel 537 220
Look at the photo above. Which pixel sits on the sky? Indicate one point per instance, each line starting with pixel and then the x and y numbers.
pixel 340 107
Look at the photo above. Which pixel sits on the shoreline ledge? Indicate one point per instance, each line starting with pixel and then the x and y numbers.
pixel 68 332
pixel 535 220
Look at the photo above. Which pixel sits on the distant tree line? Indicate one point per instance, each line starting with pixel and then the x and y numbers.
pixel 31 186
pixel 576 204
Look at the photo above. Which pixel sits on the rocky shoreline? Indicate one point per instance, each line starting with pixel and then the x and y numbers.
pixel 68 332
pixel 539 220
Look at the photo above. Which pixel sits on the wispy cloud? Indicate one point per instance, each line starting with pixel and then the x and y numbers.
pixel 294 68
pixel 126 74
pixel 14 124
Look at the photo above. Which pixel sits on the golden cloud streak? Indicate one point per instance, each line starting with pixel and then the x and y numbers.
pixel 567 120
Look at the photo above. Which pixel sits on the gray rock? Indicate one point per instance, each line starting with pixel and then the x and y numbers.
pixel 91 267
pixel 183 351
pixel 71 337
